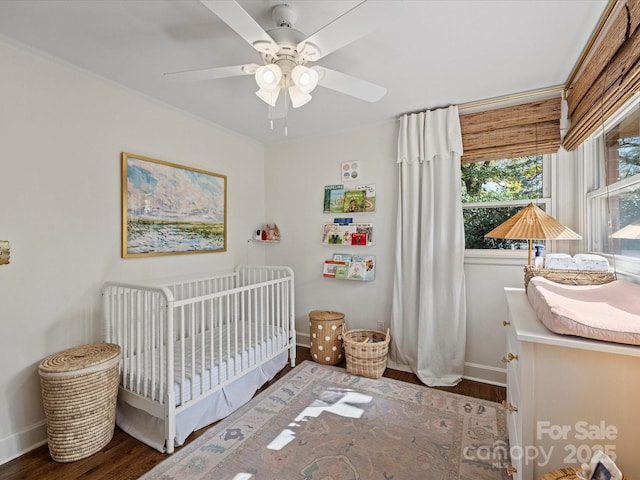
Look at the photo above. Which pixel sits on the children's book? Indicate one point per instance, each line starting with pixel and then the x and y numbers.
pixel 330 268
pixel 342 272
pixel 370 202
pixel 333 198
pixel 366 228
pixel 355 201
pixel 362 267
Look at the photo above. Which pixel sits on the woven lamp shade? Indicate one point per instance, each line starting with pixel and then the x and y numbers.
pixel 532 223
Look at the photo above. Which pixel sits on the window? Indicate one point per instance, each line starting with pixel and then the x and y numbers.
pixel 493 191
pixel 613 206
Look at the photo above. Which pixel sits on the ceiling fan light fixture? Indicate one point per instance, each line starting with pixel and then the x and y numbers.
pixel 304 78
pixel 298 97
pixel 268 96
pixel 268 77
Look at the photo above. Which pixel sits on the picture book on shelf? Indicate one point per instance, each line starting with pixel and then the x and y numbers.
pixel 330 268
pixel 333 198
pixel 336 234
pixel 342 272
pixel 355 201
pixel 366 228
pixel 362 267
pixel 370 201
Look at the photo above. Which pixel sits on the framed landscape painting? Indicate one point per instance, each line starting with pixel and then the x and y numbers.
pixel 169 209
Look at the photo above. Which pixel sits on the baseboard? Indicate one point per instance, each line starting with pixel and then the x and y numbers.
pixel 303 339
pixel 485 374
pixel 22 442
pixel 472 371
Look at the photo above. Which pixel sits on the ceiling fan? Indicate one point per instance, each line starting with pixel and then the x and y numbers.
pixel 286 52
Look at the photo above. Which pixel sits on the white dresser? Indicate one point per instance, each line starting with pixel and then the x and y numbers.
pixel 568 396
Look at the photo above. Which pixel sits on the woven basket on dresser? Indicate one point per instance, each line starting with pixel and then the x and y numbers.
pixel 79 392
pixel 366 359
pixel 568 277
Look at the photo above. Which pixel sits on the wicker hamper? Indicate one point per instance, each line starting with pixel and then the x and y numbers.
pixel 366 352
pixel 79 392
pixel 568 277
pixel 325 329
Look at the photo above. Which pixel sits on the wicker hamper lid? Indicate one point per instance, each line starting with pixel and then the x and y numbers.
pixel 325 315
pixel 85 357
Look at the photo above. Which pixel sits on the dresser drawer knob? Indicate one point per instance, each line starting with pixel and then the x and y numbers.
pixel 510 357
pixel 507 406
pixel 505 323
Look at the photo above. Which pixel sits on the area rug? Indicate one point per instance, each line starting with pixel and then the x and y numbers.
pixel 320 423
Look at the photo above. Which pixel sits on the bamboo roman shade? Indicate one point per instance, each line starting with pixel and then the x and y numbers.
pixel 609 77
pixel 508 132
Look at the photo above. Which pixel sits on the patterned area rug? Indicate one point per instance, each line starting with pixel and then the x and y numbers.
pixel 320 423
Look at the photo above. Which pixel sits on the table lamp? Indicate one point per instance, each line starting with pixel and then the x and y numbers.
pixel 532 223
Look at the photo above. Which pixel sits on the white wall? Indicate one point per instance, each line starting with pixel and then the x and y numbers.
pixel 296 173
pixel 62 132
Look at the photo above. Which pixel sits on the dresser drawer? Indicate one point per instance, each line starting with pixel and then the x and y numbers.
pixel 511 359
pixel 514 426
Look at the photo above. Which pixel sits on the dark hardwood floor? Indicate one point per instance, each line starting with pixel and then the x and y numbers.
pixel 125 458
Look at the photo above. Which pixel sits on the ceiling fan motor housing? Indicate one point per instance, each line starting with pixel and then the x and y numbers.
pixel 284 15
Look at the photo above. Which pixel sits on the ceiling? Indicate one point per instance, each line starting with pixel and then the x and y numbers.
pixel 427 53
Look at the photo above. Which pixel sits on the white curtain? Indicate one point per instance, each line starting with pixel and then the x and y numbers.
pixel 428 319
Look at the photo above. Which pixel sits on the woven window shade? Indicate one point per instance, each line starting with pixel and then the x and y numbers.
pixel 610 76
pixel 508 132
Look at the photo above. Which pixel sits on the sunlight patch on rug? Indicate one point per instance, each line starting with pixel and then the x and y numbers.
pixel 320 423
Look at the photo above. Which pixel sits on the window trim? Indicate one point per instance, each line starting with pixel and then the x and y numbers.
pixel 595 174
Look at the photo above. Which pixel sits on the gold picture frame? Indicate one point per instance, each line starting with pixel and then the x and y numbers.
pixel 170 209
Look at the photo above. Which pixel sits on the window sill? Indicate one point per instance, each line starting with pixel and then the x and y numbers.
pixel 495 257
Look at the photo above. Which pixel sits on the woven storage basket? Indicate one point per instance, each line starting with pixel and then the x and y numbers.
pixel 366 359
pixel 79 392
pixel 325 330
pixel 568 277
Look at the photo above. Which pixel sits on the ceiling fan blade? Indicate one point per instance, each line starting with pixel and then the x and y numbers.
pixel 231 13
pixel 349 27
pixel 213 73
pixel 356 87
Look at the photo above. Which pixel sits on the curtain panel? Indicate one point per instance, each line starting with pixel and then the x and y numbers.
pixel 428 319
pixel 609 77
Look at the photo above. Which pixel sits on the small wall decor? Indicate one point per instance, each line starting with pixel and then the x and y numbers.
pixel 170 209
pixel 350 171
pixel 4 252
pixel 273 232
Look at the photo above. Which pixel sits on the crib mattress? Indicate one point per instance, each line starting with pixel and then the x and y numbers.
pixel 228 359
pixel 609 312
pixel 199 414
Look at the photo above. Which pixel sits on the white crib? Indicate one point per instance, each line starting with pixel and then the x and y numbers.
pixel 194 351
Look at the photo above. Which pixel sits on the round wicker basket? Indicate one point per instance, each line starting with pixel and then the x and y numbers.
pixel 325 331
pixel 366 352
pixel 79 392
